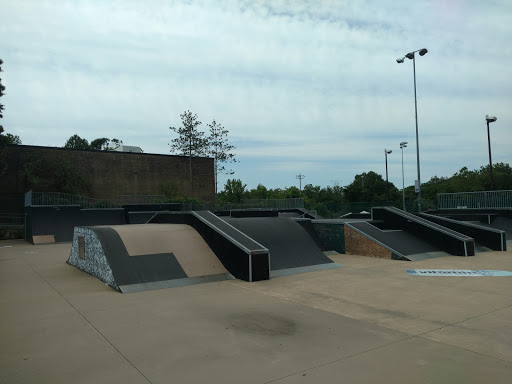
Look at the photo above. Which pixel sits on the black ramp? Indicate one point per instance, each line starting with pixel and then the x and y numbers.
pixel 128 269
pixel 402 244
pixel 448 240
pixel 243 257
pixel 290 245
pixel 492 238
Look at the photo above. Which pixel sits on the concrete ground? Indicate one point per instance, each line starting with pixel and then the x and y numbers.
pixel 368 322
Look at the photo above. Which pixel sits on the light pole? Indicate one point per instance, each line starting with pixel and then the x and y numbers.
pixel 490 119
pixel 403 145
pixel 411 56
pixel 386 152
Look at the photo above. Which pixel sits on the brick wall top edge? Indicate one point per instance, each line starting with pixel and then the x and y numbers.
pixel 96 151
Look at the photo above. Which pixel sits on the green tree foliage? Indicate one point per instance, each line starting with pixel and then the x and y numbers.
pixel 234 191
pixel 370 186
pixel 101 144
pixel 190 141
pixel 76 142
pixel 469 181
pixel 220 149
pixel 5 138
pixel 105 144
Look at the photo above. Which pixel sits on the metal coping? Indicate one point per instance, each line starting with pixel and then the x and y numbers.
pixel 428 224
pixel 262 249
pixel 373 239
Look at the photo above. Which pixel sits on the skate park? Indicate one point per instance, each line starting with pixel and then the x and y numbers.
pixel 157 246
pixel 292 298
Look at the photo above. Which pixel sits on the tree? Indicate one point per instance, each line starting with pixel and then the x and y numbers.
pixel 104 144
pixel 190 141
pixel 369 187
pixel 101 144
pixel 220 150
pixel 8 138
pixel 5 139
pixel 76 142
pixel 233 191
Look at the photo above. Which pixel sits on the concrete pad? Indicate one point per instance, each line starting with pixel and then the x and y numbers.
pixel 489 334
pixel 59 324
pixel 232 328
pixel 414 360
pixel 387 296
pixel 194 255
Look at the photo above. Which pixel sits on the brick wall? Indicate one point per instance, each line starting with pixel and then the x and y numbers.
pixel 357 244
pixel 110 173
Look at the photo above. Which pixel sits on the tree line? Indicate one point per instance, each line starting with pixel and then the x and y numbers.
pixel 370 187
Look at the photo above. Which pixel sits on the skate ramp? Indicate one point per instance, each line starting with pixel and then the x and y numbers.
pixel 132 258
pixel 363 238
pixel 243 257
pixel 489 237
pixel 446 239
pixel 292 249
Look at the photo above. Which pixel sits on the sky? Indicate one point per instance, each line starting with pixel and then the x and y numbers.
pixel 307 88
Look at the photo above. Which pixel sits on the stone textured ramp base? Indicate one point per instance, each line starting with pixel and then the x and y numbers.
pixel 132 258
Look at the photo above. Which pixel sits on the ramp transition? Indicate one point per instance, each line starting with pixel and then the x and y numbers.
pixel 446 239
pixel 292 249
pixel 363 238
pixel 132 258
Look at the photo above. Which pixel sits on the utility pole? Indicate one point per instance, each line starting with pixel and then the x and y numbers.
pixel 300 176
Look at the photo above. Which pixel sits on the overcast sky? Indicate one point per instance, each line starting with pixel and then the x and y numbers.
pixel 304 87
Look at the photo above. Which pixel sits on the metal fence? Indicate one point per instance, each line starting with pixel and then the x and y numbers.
pixel 481 199
pixel 247 204
pixel 332 210
pixel 12 220
pixel 58 198
pixel 274 203
pixel 140 199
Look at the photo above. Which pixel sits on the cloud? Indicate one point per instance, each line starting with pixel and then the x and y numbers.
pixel 297 84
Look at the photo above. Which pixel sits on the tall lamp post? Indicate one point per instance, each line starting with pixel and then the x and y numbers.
pixel 386 153
pixel 490 119
pixel 411 56
pixel 403 145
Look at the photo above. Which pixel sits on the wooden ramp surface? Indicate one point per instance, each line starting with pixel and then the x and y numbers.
pixel 189 248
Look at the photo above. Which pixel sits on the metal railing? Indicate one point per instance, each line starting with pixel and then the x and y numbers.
pixel 12 220
pixel 273 203
pixel 140 199
pixel 481 199
pixel 58 198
